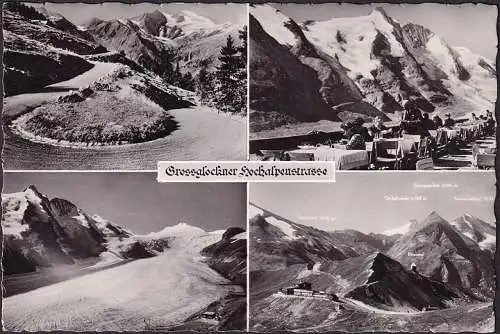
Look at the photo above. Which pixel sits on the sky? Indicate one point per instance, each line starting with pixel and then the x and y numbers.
pixel 468 25
pixel 376 202
pixel 138 202
pixel 79 13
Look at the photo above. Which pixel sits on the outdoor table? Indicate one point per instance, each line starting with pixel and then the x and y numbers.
pixel 405 147
pixel 452 133
pixel 344 159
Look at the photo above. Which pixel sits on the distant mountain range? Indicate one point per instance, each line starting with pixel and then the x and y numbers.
pixel 41 233
pixel 42 48
pixel 358 66
pixel 454 262
pixel 47 241
pixel 193 40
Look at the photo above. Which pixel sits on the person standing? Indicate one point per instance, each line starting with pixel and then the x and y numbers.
pixel 449 122
pixel 438 122
pixel 412 119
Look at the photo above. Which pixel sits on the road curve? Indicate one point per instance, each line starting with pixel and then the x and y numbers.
pixel 203 134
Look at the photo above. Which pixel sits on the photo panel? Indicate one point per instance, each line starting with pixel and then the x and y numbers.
pixel 121 86
pixel 374 86
pixel 121 252
pixel 397 252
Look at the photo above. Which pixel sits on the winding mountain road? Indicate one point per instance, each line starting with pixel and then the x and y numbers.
pixel 203 134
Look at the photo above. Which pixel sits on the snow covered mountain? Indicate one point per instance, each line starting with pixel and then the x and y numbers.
pixel 40 232
pixel 183 271
pixel 476 229
pixel 368 66
pixel 375 270
pixel 156 39
pixel 278 242
pixel 449 254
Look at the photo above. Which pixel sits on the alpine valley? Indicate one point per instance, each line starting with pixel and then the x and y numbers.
pixel 315 74
pixel 67 270
pixel 429 275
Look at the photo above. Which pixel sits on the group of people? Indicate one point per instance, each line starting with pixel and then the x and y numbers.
pixel 356 134
pixel 414 122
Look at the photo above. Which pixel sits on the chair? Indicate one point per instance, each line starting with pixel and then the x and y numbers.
pixel 441 142
pixel 485 161
pixel 387 153
pixel 475 150
pixel 273 155
pixel 424 164
pixel 301 156
pixel 414 138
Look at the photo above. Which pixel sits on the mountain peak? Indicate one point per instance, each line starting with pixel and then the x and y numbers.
pixel 189 16
pixel 434 217
pixel 32 190
pixel 381 11
pixel 180 228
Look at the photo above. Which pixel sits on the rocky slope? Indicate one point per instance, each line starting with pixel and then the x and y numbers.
pixel 368 66
pixel 41 233
pixel 282 89
pixel 447 254
pixel 229 255
pixel 40 50
pixel 450 268
pixel 389 285
pixel 156 40
pixel 278 242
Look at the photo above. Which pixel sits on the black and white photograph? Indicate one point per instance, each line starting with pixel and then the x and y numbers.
pixel 121 252
pixel 385 252
pixel 374 86
pixel 122 86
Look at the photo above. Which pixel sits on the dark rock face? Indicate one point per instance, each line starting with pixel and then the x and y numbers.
pixel 29 61
pixel 138 251
pixel 153 22
pixel 55 231
pixel 274 249
pixel 391 285
pixel 28 72
pixel 408 62
pixel 13 259
pixel 376 269
pixel 447 255
pixel 229 256
pixel 280 85
pixel 127 37
pixel 231 232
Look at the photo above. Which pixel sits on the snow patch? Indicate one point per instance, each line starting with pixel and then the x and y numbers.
pixel 14 206
pixel 469 235
pixel 398 230
pixel 273 22
pixel 180 229
pixel 254 211
pixel 351 41
pixel 240 236
pixel 442 52
pixel 286 228
pixel 487 242
pixel 82 219
pixel 107 259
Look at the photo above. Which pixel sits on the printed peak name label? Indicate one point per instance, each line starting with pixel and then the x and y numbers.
pixel 253 171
